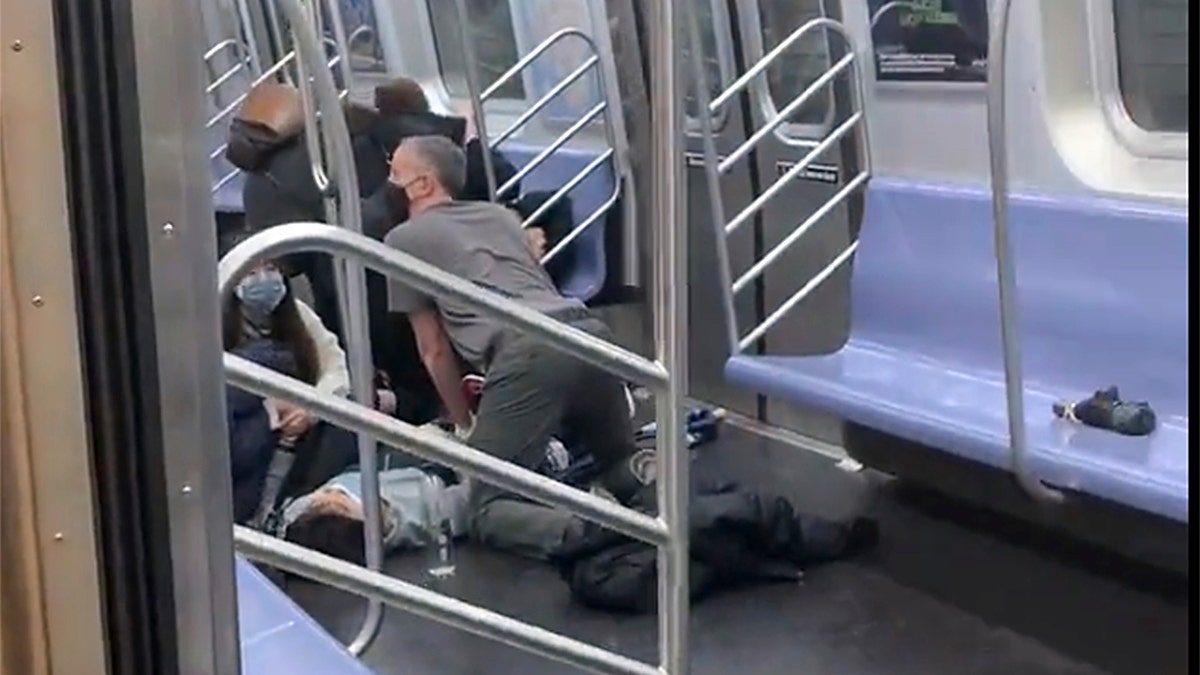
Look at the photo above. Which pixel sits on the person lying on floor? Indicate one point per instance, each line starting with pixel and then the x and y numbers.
pixel 413 500
pixel 330 519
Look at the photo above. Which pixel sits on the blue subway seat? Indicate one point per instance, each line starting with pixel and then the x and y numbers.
pixel 1103 293
pixel 587 279
pixel 278 637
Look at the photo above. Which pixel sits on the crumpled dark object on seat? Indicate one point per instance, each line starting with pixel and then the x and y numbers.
pixel 1105 410
pixel 737 537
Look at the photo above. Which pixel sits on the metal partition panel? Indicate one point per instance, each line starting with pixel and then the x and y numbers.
pixel 246 60
pixel 1014 386
pixel 668 531
pixel 609 108
pixel 716 167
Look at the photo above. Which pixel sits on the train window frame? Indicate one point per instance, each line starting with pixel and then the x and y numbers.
pixel 795 134
pixel 380 59
pixel 449 81
pixel 1105 59
pixel 723 38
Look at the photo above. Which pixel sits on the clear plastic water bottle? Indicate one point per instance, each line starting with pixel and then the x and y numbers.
pixel 440 549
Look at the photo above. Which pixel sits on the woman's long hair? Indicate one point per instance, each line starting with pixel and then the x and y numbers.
pixel 286 327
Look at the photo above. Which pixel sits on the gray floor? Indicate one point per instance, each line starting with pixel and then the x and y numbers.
pixel 944 593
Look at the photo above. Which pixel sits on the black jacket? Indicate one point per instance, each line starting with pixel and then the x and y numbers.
pixel 389 131
pixel 557 222
pixel 251 440
pixel 736 537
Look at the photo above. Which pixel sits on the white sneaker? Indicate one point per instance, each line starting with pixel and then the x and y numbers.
pixel 644 466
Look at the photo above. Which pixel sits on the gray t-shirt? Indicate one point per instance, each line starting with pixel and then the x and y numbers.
pixel 483 243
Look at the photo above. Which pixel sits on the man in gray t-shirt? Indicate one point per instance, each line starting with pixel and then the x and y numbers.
pixel 532 390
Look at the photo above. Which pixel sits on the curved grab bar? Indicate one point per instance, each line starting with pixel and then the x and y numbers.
pixel 765 62
pixel 341 42
pixel 529 58
pixel 1014 387
pixel 436 447
pixel 715 167
pixel 351 279
pixel 282 240
pixel 452 612
pixel 312 139
pixel 605 107
pixel 274 70
pixel 221 46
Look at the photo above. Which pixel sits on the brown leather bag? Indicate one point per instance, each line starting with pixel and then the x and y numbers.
pixel 274 106
pixel 271 115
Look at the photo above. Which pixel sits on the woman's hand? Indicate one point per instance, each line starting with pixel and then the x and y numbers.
pixel 294 423
pixel 385 401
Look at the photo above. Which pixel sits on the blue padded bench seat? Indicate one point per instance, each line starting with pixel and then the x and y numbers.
pixel 588 277
pixel 562 165
pixel 1103 292
pixel 278 638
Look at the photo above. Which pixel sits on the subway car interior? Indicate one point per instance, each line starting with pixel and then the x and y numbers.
pixel 910 276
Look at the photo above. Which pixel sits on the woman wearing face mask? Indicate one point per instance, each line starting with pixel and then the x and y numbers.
pixel 264 322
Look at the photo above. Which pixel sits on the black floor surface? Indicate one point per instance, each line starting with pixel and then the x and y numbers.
pixel 948 591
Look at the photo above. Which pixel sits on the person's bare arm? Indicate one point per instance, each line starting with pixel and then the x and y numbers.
pixel 442 363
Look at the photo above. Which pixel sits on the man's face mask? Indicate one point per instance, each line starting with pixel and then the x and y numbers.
pixel 397 202
pixel 261 292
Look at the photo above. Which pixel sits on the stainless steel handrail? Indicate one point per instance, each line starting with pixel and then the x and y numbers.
pixel 607 107
pixel 297 237
pixel 1010 334
pixel 715 167
pixel 433 606
pixel 219 47
pixel 274 70
pixel 436 447
pixel 670 310
pixel 471 71
pixel 665 531
pixel 350 278
pixel 247 32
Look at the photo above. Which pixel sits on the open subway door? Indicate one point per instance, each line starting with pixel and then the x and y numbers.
pixel 777 193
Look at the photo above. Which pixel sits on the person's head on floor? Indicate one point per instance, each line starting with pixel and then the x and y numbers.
pixel 400 95
pixel 429 170
pixel 331 534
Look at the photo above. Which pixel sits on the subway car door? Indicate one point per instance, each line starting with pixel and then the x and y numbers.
pixel 708 347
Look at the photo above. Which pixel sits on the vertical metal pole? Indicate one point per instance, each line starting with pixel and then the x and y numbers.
pixel 1014 387
pixel 339 39
pixel 251 41
pixel 310 49
pixel 670 308
pixel 474 89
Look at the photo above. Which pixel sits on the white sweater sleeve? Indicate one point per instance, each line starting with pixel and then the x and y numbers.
pixel 335 374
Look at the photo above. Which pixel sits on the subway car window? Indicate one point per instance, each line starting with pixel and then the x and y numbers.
pixel 1152 62
pixel 800 65
pixel 494 39
pixel 362 34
